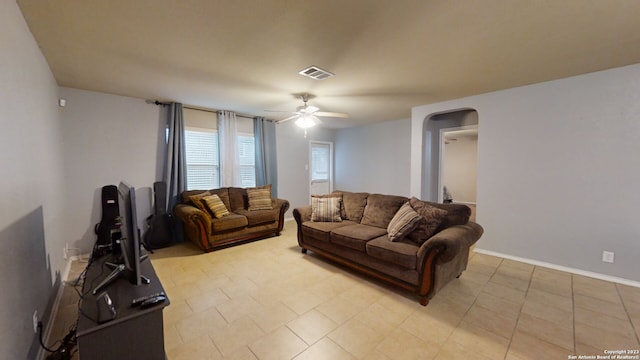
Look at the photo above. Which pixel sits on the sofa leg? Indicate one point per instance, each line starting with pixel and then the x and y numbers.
pixel 424 301
pixel 304 251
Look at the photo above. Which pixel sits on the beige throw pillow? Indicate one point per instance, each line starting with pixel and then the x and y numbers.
pixel 325 209
pixel 259 199
pixel 215 205
pixel 403 222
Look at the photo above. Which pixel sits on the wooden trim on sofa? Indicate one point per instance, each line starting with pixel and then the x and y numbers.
pixel 426 281
pixel 364 269
pixel 221 244
pixel 283 210
pixel 428 278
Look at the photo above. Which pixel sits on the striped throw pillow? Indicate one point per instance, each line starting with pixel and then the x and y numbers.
pixel 216 206
pixel 325 209
pixel 403 222
pixel 259 199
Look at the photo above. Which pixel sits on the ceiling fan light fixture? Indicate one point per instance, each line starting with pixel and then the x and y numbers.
pixel 305 121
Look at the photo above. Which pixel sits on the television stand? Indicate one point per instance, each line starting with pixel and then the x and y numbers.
pixel 117 271
pixel 135 333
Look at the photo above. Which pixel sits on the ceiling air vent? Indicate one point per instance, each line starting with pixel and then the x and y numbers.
pixel 315 72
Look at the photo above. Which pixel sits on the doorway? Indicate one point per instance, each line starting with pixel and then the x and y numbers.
pixel 321 167
pixel 458 164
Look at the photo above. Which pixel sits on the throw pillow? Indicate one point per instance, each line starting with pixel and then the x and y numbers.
pixel 259 199
pixel 325 209
pixel 197 200
pixel 215 205
pixel 403 222
pixel 432 219
pixel 335 194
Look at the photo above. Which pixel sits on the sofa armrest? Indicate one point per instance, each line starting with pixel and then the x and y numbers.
pixel 277 203
pixel 450 241
pixel 283 205
pixel 302 214
pixel 197 223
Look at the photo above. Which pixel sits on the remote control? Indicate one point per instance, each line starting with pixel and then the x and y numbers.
pixel 140 300
pixel 153 301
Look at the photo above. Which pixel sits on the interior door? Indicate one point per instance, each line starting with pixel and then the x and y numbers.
pixel 321 169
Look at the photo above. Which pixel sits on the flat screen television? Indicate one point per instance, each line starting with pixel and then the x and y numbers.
pixel 132 255
pixel 130 241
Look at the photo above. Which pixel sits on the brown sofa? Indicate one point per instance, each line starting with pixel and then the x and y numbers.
pixel 361 241
pixel 241 225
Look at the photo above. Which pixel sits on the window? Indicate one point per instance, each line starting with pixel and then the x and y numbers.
pixel 320 161
pixel 202 151
pixel 203 161
pixel 246 148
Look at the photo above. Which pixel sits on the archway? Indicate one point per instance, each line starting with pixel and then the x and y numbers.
pixel 464 118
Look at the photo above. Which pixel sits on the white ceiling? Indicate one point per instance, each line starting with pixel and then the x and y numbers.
pixel 387 56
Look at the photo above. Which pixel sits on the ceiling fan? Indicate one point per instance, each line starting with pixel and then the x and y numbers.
pixel 307 116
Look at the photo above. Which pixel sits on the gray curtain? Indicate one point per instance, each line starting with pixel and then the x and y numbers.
pixel 175 173
pixel 264 132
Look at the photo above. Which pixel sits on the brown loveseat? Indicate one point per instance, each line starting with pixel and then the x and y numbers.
pixel 422 261
pixel 241 224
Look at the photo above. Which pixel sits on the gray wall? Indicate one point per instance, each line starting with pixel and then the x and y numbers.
pixel 556 177
pixel 32 212
pixel 107 139
pixel 374 158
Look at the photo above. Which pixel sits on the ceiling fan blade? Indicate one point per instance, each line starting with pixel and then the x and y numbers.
pixel 281 111
pixel 331 114
pixel 287 119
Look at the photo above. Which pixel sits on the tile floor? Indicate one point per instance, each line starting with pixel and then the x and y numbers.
pixel 266 300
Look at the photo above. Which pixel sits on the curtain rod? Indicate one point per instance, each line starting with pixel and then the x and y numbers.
pixel 190 107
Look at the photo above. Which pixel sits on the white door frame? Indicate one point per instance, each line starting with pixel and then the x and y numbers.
pixel 311 143
pixel 441 137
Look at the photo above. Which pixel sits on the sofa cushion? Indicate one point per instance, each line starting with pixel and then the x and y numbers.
pixel 326 208
pixel 236 199
pixel 322 230
pixel 380 209
pixel 259 217
pixel 432 218
pixel 229 222
pixel 355 236
pixel 353 205
pixel 215 205
pixel 403 222
pixel 259 199
pixel 223 194
pixel 402 253
pixel 196 200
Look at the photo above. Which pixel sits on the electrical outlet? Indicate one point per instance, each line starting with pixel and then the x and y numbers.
pixel 35 321
pixel 607 256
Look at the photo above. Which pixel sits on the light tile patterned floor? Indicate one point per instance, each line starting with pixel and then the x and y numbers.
pixel 266 300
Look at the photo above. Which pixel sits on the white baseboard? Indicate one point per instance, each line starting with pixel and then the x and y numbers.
pixel 561 268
